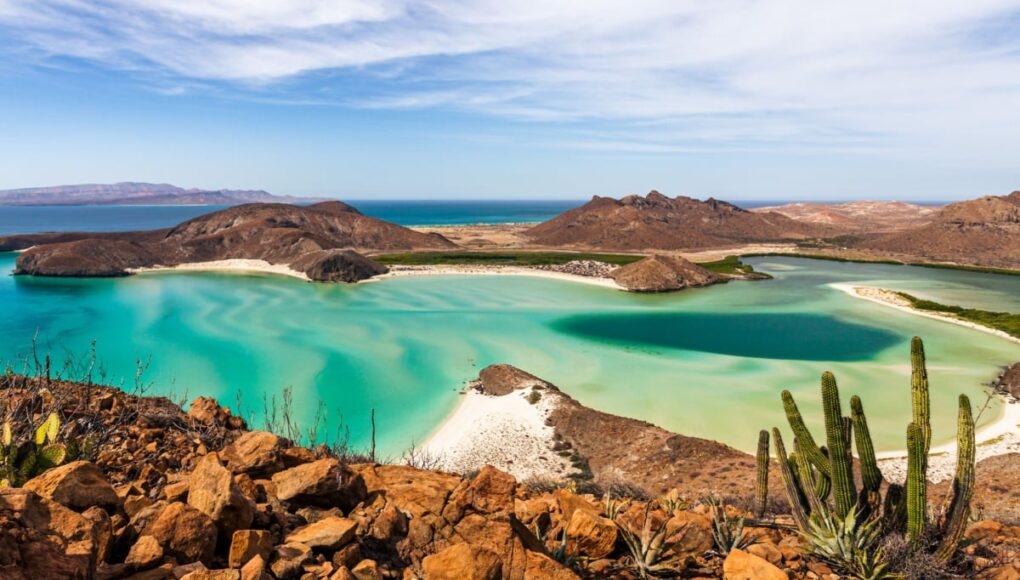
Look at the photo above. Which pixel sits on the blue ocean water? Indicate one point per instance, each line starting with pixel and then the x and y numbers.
pixel 108 218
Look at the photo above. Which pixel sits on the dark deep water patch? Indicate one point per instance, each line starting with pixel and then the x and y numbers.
pixel 776 336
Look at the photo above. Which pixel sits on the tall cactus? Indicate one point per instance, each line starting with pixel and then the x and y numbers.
pixel 871 475
pixel 917 484
pixel 791 483
pixel 811 471
pixel 836 441
pixel 920 400
pixel 956 516
pixel 801 432
pixel 762 491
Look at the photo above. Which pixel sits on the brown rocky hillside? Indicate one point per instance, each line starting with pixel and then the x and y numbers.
pixel 657 222
pixel 277 233
pixel 983 231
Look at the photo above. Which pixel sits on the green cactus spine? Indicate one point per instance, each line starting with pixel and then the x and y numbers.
pixel 919 393
pixel 823 484
pixel 917 484
pixel 839 451
pixel 801 432
pixel 792 486
pixel 807 480
pixel 762 491
pixel 963 483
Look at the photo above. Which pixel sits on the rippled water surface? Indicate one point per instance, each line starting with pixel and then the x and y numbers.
pixel 707 362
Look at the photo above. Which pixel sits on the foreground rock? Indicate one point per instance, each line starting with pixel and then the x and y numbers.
pixel 197 497
pixel 662 273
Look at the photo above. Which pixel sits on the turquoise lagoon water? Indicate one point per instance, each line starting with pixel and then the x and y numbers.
pixel 707 362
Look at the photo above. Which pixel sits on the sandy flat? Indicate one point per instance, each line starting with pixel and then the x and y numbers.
pixel 234 265
pixel 507 432
pixel 488 270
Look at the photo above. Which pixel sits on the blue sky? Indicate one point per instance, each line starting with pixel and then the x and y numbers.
pixel 768 99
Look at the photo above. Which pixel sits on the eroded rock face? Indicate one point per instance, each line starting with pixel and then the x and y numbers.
pixel 323 482
pixel 88 258
pixel 213 491
pixel 740 565
pixel 255 453
pixel 185 533
pixel 463 562
pixel 78 485
pixel 328 533
pixel 44 539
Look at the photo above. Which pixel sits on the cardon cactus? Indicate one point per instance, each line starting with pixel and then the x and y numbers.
pixel 809 473
pixel 762 484
pixel 21 462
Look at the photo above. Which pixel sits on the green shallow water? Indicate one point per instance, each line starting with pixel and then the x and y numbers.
pixel 707 362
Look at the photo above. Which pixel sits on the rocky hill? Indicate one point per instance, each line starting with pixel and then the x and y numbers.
pixel 657 222
pixel 309 239
pixel 660 273
pixel 133 193
pixel 983 231
pixel 858 216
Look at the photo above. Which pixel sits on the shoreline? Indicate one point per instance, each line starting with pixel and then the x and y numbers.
pixel 235 266
pixel 890 299
pixel 999 437
pixel 491 270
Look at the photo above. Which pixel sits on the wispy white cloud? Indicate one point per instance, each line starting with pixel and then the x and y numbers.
pixel 667 74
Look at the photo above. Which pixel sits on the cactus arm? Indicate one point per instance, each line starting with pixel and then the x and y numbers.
pixel 894 509
pixel 808 484
pixel 871 475
pixel 963 483
pixel 921 402
pixel 801 432
pixel 792 486
pixel 762 491
pixel 823 484
pixel 839 453
pixel 917 484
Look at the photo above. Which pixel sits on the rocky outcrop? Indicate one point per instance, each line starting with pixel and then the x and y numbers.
pixel 662 273
pixel 620 450
pixel 323 240
pixel 657 222
pixel 1009 381
pixel 337 266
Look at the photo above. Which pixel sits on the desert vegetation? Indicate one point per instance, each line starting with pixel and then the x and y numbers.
pixel 1007 322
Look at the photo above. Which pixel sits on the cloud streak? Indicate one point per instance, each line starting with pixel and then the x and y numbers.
pixel 666 75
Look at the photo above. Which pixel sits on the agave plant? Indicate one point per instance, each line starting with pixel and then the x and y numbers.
pixel 649 548
pixel 849 545
pixel 21 462
pixel 727 534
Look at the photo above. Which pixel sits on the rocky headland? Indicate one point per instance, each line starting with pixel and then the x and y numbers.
pixel 324 241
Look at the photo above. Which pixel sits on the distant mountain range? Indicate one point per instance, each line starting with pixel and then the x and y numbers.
pixel 859 216
pixel 133 193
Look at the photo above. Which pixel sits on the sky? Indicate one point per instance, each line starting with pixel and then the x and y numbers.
pixel 516 99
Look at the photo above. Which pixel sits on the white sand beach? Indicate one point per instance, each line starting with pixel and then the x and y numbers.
pixel 233 265
pixel 507 432
pixel 998 438
pixel 490 270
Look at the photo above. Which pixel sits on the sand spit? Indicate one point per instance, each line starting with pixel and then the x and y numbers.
pixel 507 432
pixel 227 266
pixel 489 270
pixel 999 438
pixel 893 300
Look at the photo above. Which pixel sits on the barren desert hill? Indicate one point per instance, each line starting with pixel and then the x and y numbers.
pixel 858 216
pixel 983 231
pixel 275 233
pixel 656 221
